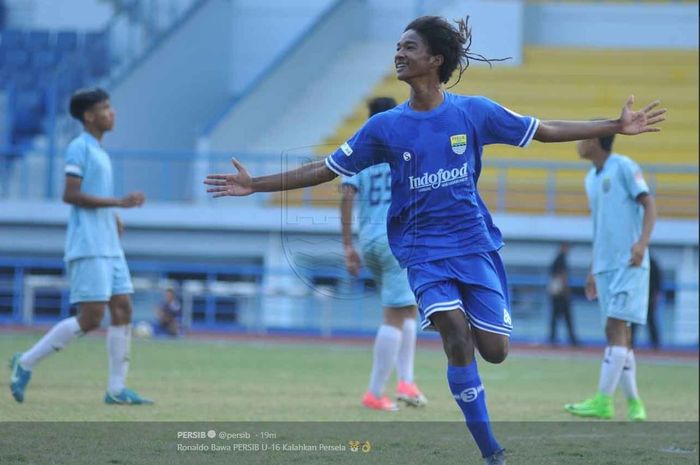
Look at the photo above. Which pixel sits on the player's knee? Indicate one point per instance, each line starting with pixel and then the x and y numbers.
pixel 90 320
pixel 495 355
pixel 457 349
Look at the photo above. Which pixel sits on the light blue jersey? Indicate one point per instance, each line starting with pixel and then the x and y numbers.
pixel 617 215
pixel 373 187
pixel 92 232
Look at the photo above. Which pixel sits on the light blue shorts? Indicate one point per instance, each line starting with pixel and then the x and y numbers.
pixel 97 279
pixel 624 294
pixel 390 278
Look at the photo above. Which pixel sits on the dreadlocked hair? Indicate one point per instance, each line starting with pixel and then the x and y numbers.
pixel 453 43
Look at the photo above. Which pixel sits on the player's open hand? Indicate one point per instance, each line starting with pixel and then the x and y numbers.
pixel 352 261
pixel 590 289
pixel 637 256
pixel 235 185
pixel 637 122
pixel 133 199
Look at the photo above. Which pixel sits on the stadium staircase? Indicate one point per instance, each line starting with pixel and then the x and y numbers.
pixel 570 84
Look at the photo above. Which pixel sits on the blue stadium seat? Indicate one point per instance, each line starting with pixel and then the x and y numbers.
pixel 44 60
pixel 16 59
pixel 39 40
pixel 67 41
pixel 24 79
pixel 29 108
pixel 11 39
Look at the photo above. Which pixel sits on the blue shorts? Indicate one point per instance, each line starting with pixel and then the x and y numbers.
pixel 624 294
pixel 475 284
pixel 97 279
pixel 390 278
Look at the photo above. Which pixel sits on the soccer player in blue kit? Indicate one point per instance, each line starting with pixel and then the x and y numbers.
pixel 438 226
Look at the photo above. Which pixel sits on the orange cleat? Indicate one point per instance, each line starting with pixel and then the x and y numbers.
pixel 379 403
pixel 409 393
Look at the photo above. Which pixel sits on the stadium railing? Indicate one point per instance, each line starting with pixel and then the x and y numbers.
pixel 234 298
pixel 507 185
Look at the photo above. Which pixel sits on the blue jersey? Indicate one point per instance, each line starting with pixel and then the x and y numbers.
pixel 435 158
pixel 92 232
pixel 373 198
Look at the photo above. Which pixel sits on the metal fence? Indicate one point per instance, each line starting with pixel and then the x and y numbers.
pixel 507 185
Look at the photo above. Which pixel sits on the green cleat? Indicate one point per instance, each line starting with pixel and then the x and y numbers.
pixel 636 410
pixel 600 406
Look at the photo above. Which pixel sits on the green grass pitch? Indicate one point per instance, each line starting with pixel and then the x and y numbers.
pixel 310 393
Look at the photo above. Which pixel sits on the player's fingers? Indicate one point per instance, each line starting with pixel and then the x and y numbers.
pixel 630 101
pixel 652 129
pixel 217 189
pixel 656 113
pixel 214 182
pixel 238 165
pixel 217 176
pixel 653 104
pixel 656 119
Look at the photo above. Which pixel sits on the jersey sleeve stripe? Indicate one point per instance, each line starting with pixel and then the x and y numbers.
pixel 74 170
pixel 529 134
pixel 337 169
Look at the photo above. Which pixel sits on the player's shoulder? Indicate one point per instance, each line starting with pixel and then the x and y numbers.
pixel 623 161
pixel 470 101
pixel 77 146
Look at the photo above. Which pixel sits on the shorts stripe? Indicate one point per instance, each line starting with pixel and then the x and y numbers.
pixel 454 303
pixel 505 326
pixel 502 331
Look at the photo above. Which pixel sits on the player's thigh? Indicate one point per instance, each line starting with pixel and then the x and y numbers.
pixel 434 295
pixel 623 294
pixel 90 280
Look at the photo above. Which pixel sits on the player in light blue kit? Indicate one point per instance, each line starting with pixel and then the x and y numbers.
pixel 395 343
pixel 438 225
pixel 94 258
pixel 623 214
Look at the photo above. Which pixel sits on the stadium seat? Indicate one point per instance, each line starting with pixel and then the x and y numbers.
pixel 563 83
pixel 11 39
pixel 44 60
pixel 38 40
pixel 16 59
pixel 67 41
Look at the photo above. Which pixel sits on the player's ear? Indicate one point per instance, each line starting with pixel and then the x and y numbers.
pixel 437 60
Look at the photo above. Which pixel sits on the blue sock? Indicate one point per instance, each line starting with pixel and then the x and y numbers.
pixel 469 393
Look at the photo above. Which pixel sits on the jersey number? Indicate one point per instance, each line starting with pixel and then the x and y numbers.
pixel 380 188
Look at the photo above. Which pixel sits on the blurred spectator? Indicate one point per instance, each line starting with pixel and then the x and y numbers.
pixel 560 295
pixel 168 314
pixel 654 294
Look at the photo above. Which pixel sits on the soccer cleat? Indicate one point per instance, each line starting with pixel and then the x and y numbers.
pixel 499 458
pixel 600 406
pixel 409 393
pixel 19 378
pixel 636 410
pixel 379 403
pixel 126 397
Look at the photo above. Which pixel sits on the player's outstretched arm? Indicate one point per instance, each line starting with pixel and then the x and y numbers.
pixel 629 123
pixel 241 184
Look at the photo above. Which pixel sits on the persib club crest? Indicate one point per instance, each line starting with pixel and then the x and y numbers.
pixel 459 143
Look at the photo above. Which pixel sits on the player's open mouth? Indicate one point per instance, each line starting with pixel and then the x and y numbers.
pixel 401 66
